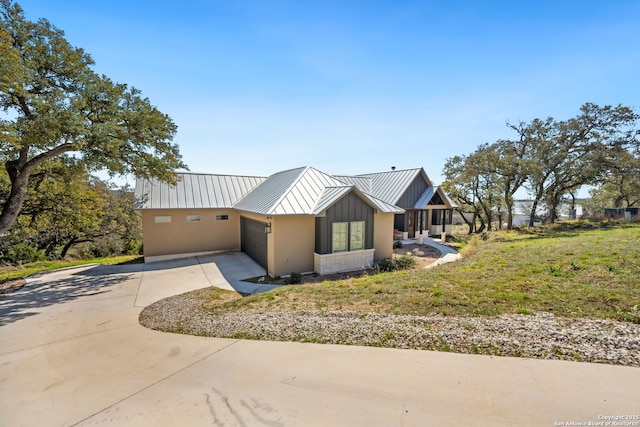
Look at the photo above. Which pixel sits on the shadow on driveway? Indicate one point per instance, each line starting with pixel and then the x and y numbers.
pixel 43 290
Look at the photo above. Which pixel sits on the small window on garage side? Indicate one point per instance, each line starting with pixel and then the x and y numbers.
pixel 162 219
pixel 222 217
pixel 340 233
pixel 356 238
pixel 194 218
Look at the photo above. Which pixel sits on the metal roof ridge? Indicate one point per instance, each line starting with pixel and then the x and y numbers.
pixel 289 188
pixel 382 201
pixel 220 174
pixel 265 179
pixel 324 190
pixel 366 175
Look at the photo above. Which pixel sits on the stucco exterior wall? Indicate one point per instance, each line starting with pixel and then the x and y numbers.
pixel 294 243
pixel 180 236
pixel 383 236
pixel 290 245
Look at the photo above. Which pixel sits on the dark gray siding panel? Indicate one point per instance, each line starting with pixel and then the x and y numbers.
pixel 398 222
pixel 253 240
pixel 349 208
pixel 322 243
pixel 322 235
pixel 413 193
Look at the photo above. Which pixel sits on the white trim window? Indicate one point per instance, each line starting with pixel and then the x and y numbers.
pixel 356 236
pixel 348 236
pixel 194 218
pixel 340 233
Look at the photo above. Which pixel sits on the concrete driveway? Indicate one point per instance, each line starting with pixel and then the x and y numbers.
pixel 72 353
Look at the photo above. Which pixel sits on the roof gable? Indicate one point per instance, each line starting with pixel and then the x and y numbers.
pixel 292 192
pixel 390 186
pixel 432 194
pixel 331 195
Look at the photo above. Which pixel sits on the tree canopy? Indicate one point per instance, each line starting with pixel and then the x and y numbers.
pixel 550 159
pixel 55 105
pixel 67 207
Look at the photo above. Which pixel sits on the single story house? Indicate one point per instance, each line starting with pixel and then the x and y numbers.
pixel 299 220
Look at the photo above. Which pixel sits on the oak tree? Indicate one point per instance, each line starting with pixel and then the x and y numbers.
pixel 53 104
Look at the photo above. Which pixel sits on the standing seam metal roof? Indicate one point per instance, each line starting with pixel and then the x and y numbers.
pixel 291 192
pixel 363 183
pixel 303 190
pixel 194 191
pixel 391 185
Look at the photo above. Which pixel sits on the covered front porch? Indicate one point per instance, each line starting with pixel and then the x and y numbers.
pixel 431 215
pixel 423 222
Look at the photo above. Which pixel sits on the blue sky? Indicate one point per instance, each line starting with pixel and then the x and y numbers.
pixel 350 87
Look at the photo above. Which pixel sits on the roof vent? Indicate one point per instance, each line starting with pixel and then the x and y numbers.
pixel 393 168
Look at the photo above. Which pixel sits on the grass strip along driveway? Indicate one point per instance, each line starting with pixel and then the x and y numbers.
pixel 12 277
pixel 572 270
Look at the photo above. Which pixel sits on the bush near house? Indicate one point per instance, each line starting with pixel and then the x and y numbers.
pixel 294 279
pixel 404 262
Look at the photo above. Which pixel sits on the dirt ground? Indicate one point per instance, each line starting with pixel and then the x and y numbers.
pixel 430 254
pixel 9 287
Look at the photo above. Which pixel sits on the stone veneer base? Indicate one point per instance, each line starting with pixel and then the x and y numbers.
pixel 342 261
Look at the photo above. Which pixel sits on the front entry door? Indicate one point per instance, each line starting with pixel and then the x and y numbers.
pixel 411 229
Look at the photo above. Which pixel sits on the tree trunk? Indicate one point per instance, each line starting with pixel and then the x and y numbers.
pixel 532 215
pixel 470 224
pixel 509 203
pixel 19 171
pixel 553 210
pixel 70 244
pixel 534 207
pixel 49 249
pixel 19 183
pixel 482 226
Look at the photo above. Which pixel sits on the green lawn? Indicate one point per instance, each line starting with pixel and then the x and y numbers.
pixel 576 269
pixel 14 273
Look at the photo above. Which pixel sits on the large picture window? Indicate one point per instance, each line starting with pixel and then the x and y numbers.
pixel 356 240
pixel 348 236
pixel 340 232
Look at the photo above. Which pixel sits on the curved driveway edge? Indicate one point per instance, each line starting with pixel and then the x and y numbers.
pixel 72 353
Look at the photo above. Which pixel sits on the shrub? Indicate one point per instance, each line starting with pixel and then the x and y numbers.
pixel 397 244
pixel 133 247
pixel 404 262
pixel 23 253
pixel 294 278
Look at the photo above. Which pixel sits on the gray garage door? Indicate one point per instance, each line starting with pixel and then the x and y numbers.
pixel 253 240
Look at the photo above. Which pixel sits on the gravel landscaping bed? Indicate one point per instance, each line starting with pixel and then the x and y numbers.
pixel 540 335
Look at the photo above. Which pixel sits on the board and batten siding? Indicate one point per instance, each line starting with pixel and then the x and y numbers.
pixel 349 208
pixel 412 193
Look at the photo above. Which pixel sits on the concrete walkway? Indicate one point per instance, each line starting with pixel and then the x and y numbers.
pixel 73 353
pixel 447 253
